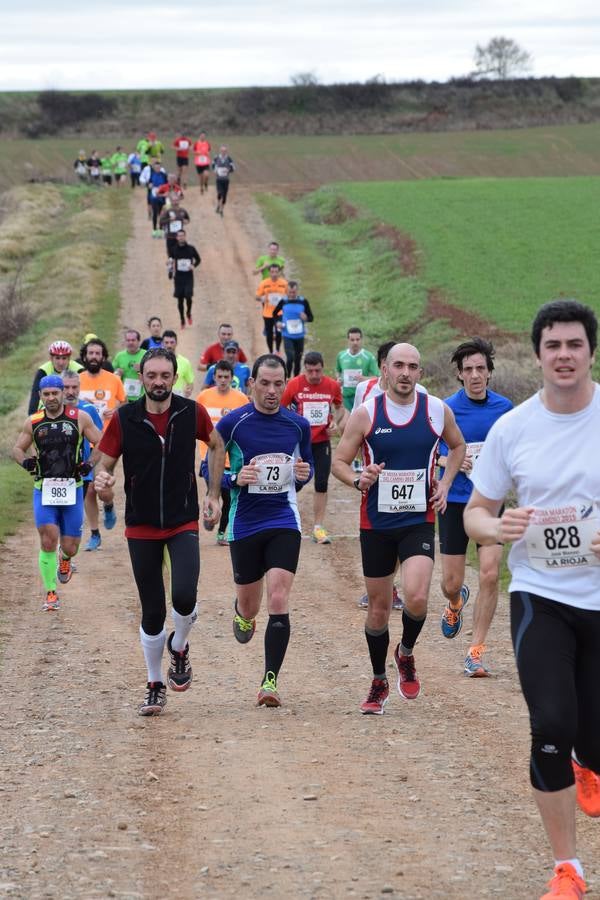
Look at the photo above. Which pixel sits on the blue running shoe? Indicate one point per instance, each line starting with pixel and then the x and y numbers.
pixel 110 517
pixel 94 542
pixel 452 618
pixel 474 667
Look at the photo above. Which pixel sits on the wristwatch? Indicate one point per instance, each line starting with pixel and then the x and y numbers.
pixel 355 483
pixel 233 478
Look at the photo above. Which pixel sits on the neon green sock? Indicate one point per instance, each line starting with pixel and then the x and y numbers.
pixel 47 564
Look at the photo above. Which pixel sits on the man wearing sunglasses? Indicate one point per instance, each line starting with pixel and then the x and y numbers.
pixel 60 353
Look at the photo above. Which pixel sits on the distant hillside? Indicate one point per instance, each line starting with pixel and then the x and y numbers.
pixel 306 109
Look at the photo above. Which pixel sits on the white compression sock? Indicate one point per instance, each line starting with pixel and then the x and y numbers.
pixel 183 625
pixel 153 646
pixel 574 862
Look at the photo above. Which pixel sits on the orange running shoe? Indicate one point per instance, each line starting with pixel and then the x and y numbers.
pixel 588 789
pixel 64 570
pixel 52 602
pixel 566 884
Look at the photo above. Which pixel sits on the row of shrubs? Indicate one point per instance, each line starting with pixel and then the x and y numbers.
pixel 354 107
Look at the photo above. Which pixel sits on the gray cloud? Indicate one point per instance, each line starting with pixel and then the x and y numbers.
pixel 122 44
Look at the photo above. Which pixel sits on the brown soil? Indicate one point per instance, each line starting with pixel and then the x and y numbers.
pixel 220 799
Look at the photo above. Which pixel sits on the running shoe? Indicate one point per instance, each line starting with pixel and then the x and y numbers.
pixel 376 698
pixel 409 685
pixel 320 535
pixel 179 675
pixel 268 696
pixel 94 542
pixel 566 884
pixel 110 517
pixel 243 629
pixel 64 570
pixel 588 789
pixel 222 539
pixel 474 668
pixel 189 320
pixel 397 601
pixel 155 701
pixel 452 618
pixel 52 602
pixel 364 601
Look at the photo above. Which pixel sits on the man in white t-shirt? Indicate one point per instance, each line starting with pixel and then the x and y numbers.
pixel 544 449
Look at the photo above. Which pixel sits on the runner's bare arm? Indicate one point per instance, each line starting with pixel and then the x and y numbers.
pixel 104 480
pixel 456 447
pixel 357 427
pixel 483 525
pixel 23 443
pixel 216 463
pixel 88 429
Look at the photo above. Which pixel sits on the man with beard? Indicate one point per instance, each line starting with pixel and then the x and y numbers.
pixel 157 436
pixel 56 432
pixel 106 391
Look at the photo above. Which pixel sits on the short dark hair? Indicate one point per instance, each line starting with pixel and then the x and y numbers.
pixel 274 242
pixel 313 358
pixel 99 343
pixel 154 319
pixel 383 350
pixel 270 360
pixel 224 325
pixel 159 353
pixel 275 266
pixel 292 283
pixel 564 311
pixel 224 365
pixel 169 333
pixel 469 348
pixel 354 331
pixel 133 331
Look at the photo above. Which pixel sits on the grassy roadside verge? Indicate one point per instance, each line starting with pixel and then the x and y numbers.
pixel 350 275
pixel 70 244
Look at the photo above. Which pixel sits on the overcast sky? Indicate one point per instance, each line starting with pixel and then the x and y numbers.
pixel 127 44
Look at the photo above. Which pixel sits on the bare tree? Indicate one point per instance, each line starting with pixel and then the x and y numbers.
pixel 501 58
pixel 304 79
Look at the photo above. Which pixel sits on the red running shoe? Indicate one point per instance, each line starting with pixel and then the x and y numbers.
pixel 376 698
pixel 409 685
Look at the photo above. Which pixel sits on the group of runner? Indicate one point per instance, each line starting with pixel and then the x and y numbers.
pixel 410 455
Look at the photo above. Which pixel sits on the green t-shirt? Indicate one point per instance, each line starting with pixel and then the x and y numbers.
pixel 106 165
pixel 185 375
pixel 263 262
pixel 352 368
pixel 130 376
pixel 119 162
pixel 142 148
pixel 155 150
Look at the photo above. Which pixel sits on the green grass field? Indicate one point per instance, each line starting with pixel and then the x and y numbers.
pixel 288 159
pixel 500 247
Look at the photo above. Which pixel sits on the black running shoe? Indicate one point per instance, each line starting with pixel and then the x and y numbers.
pixel 179 676
pixel 156 699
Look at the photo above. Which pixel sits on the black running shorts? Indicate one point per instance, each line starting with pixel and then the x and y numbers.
pixel 274 548
pixel 382 548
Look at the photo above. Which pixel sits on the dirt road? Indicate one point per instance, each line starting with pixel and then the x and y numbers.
pixel 217 798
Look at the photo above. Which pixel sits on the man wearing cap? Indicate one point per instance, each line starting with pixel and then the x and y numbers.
pixel 241 372
pixel 214 352
pixel 60 353
pixel 56 432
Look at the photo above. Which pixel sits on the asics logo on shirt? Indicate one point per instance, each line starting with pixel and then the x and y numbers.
pixel 383 431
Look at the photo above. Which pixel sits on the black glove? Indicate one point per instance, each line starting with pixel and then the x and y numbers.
pixel 30 464
pixel 85 468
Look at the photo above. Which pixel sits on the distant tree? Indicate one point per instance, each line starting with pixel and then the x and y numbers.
pixel 501 58
pixel 304 79
pixel 376 79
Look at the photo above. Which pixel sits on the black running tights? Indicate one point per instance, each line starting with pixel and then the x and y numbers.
pixel 557 649
pixel 180 556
